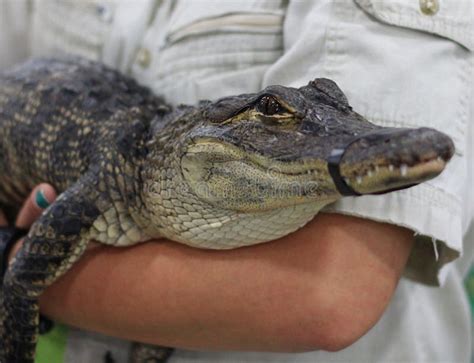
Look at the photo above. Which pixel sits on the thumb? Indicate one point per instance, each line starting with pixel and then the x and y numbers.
pixel 40 198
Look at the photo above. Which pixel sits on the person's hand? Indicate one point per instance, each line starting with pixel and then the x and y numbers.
pixel 39 199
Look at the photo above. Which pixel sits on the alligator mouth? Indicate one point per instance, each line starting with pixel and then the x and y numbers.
pixel 378 162
pixel 392 159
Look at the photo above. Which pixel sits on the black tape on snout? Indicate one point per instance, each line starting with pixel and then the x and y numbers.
pixel 335 158
pixel 334 162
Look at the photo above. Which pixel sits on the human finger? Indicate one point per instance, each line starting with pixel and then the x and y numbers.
pixel 40 198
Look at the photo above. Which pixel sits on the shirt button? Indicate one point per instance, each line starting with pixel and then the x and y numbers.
pixel 105 12
pixel 429 7
pixel 144 58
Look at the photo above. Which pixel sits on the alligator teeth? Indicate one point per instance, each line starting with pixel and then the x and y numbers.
pixel 440 159
pixel 403 169
pixel 391 167
pixel 359 180
pixel 377 168
pixel 370 173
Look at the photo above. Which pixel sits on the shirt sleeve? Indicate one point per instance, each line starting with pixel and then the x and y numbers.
pixel 408 70
pixel 14 31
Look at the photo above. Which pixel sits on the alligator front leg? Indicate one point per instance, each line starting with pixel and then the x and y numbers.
pixel 53 244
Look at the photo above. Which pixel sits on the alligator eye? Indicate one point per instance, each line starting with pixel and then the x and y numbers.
pixel 269 106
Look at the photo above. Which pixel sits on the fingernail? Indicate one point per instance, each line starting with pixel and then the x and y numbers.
pixel 41 200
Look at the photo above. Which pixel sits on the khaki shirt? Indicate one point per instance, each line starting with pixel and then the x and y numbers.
pixel 401 63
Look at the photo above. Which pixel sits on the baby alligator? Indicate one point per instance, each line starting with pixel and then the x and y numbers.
pixel 222 174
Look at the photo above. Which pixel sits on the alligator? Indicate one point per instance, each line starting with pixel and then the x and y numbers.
pixel 221 174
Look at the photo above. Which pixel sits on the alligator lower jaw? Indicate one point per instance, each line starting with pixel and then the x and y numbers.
pixel 379 179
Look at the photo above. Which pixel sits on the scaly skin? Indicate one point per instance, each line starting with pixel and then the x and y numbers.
pixel 238 171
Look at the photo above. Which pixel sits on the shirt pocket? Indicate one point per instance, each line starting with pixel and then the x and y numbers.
pixel 72 27
pixel 212 50
pixel 436 64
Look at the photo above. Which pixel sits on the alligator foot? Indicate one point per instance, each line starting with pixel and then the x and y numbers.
pixel 55 241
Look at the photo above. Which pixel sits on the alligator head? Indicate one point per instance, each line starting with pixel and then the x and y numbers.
pixel 287 146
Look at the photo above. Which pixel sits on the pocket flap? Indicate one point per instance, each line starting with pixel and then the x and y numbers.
pixel 225 16
pixel 453 19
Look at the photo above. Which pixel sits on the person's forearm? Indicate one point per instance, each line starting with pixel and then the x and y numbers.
pixel 294 294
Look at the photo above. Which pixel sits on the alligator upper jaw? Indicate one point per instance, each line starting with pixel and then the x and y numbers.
pixel 392 159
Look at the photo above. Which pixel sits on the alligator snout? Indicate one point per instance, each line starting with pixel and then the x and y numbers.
pixel 393 158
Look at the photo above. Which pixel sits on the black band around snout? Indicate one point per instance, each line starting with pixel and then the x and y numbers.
pixel 334 161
